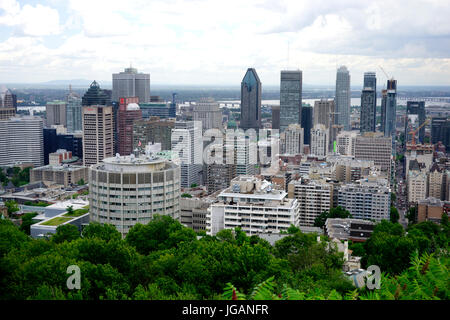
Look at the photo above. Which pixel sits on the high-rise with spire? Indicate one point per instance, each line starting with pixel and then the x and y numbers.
pixel 95 96
pixel 250 101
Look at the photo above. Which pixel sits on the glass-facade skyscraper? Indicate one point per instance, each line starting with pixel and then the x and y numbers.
pixel 73 112
pixel 342 98
pixel 389 108
pixel 368 119
pixel 290 98
pixel 307 120
pixel 250 101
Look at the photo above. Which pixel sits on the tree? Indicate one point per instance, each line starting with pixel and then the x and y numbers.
pixel 10 237
pixel 163 232
pixel 70 210
pixel 444 219
pixel 66 232
pixel 412 216
pixel 337 212
pixel 394 215
pixel 186 195
pixel 27 221
pixel 194 185
pixel 105 232
pixel 12 206
pixel 81 182
pixel 393 197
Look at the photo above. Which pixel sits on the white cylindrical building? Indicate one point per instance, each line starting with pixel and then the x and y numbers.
pixel 125 190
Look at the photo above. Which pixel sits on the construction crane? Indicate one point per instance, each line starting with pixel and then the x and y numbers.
pixel 387 76
pixel 413 132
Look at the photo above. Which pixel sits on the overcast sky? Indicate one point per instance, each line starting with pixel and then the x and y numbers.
pixel 214 42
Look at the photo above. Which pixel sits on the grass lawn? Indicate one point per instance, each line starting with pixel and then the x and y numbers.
pixel 77 213
pixel 55 221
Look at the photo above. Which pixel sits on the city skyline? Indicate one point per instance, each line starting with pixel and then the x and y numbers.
pixel 67 40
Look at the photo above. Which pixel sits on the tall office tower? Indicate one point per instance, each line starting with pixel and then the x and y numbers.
pixel 383 109
pixel 290 98
pixel 276 117
pixel 21 140
pixel 342 98
pixel 324 113
pixel 8 105
pixel 188 144
pixel 307 123
pixel 368 117
pixel 294 139
pixel 73 112
pixel 440 131
pixel 8 100
pixel 374 146
pixel 389 108
pixel 129 112
pixel 130 83
pixel 98 136
pixel 95 96
pixel 153 130
pixel 56 113
pixel 319 140
pixel 208 112
pixel 415 117
pixel 151 185
pixel 251 101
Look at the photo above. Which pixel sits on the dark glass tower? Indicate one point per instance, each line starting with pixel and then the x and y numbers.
pixel 290 98
pixel 307 119
pixel 96 96
pixel 415 117
pixel 440 131
pixel 250 101
pixel 389 108
pixel 368 119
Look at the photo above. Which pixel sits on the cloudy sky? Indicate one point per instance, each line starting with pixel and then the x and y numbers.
pixel 214 42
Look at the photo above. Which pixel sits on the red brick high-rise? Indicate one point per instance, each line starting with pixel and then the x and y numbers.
pixel 129 112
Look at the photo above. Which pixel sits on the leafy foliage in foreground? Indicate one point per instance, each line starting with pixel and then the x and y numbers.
pixel 426 279
pixel 164 260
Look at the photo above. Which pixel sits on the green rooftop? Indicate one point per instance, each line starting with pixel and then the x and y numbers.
pixel 55 221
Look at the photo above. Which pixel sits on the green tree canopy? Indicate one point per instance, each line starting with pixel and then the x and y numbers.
pixel 65 232
pixel 105 231
pixel 27 221
pixel 337 212
pixel 163 232
pixel 394 215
